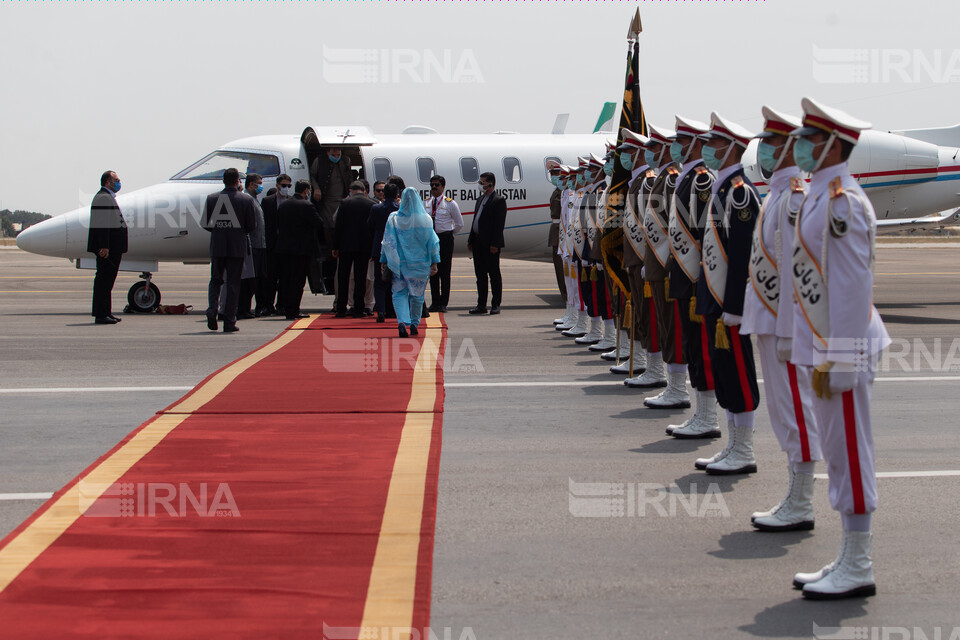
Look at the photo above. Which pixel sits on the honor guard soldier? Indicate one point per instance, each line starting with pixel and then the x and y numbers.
pixel 687 215
pixel 553 236
pixel 578 241
pixel 566 180
pixel 837 330
pixel 631 159
pixel 653 221
pixel 768 316
pixel 725 249
pixel 592 290
pixel 605 288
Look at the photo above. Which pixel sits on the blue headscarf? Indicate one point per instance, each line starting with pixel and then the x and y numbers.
pixel 409 241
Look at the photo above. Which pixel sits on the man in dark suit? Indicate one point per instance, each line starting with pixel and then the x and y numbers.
pixel 108 240
pixel 376 223
pixel 351 248
pixel 268 275
pixel 229 216
pixel 486 241
pixel 297 227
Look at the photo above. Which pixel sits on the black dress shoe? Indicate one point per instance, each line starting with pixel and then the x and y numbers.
pixel 229 327
pixel 477 311
pixel 425 314
pixel 494 310
pixel 212 322
pixel 367 313
pixel 380 317
pixel 115 317
pixel 413 330
pixel 245 315
pixel 341 314
pixel 433 307
pixel 442 310
pixel 104 320
pixel 301 316
pixel 403 330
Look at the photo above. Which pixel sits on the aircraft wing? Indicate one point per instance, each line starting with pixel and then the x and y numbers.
pixel 947 219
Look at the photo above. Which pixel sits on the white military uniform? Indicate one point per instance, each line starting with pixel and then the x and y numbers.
pixel 837 322
pixel 768 315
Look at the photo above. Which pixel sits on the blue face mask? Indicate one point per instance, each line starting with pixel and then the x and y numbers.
pixel 608 168
pixel 580 179
pixel 116 186
pixel 676 152
pixel 332 159
pixel 650 158
pixel 710 159
pixel 626 161
pixel 766 156
pixel 803 154
pixel 259 189
pixel 555 181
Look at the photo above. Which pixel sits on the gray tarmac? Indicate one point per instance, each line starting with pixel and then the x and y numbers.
pixel 528 418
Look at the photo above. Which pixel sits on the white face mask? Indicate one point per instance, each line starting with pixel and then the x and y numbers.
pixel 286 192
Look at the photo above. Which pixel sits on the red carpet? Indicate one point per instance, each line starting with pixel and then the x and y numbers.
pixel 298 498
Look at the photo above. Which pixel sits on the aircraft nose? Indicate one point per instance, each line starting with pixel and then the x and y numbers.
pixel 47 238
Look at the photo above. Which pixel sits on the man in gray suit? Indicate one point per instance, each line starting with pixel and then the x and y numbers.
pixel 229 216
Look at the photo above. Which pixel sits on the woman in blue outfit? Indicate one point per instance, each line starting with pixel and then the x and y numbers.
pixel 411 251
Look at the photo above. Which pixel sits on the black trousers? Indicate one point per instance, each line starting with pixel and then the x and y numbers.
pixel 440 283
pixel 266 292
pixel 358 261
pixel 107 269
pixel 696 348
pixel 233 267
pixel 487 265
pixel 734 371
pixel 293 276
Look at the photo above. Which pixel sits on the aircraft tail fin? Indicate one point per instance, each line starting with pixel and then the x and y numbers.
pixel 942 136
pixel 606 117
pixel 560 124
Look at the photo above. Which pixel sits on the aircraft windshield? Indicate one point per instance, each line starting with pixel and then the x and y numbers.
pixel 213 166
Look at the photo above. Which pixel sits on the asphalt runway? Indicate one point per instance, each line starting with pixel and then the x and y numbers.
pixel 528 418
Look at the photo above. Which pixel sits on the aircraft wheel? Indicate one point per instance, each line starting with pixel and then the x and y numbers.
pixel 144 297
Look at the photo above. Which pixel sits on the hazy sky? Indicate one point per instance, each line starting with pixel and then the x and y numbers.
pixel 145 88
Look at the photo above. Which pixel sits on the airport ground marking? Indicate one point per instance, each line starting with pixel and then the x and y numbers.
pixel 619 382
pixel 89 389
pixel 393 577
pixel 37 537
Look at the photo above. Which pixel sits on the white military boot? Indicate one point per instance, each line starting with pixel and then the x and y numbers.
pixel 568 317
pixel 675 396
pixel 769 512
pixel 609 339
pixel 579 328
pixel 740 457
pixel 851 575
pixel 701 463
pixel 624 352
pixel 800 580
pixel 795 512
pixel 639 362
pixel 595 333
pixel 703 423
pixel 653 376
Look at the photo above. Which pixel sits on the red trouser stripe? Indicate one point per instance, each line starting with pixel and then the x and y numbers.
pixel 594 307
pixel 677 334
pixel 705 347
pixel 609 305
pixel 798 411
pixel 737 347
pixel 654 338
pixel 853 454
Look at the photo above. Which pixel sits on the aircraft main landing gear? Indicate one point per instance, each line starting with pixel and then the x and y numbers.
pixel 144 297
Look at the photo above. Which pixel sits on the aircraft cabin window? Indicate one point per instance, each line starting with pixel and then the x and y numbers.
pixel 469 170
pixel 511 169
pixel 381 169
pixel 545 161
pixel 213 166
pixel 426 169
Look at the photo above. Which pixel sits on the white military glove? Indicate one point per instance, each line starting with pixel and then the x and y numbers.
pixel 731 320
pixel 841 381
pixel 599 266
pixel 784 349
pixel 643 273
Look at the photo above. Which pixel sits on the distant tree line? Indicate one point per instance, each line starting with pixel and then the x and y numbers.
pixel 25 218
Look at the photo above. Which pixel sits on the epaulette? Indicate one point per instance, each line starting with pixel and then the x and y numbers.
pixel 836 187
pixel 449 199
pixel 737 182
pixel 672 170
pixel 651 173
pixel 700 169
pixel 796 185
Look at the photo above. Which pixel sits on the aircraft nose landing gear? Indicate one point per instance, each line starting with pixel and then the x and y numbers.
pixel 144 297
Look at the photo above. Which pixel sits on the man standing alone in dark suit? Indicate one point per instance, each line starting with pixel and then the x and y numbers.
pixel 229 216
pixel 351 248
pixel 297 226
pixel 485 242
pixel 107 239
